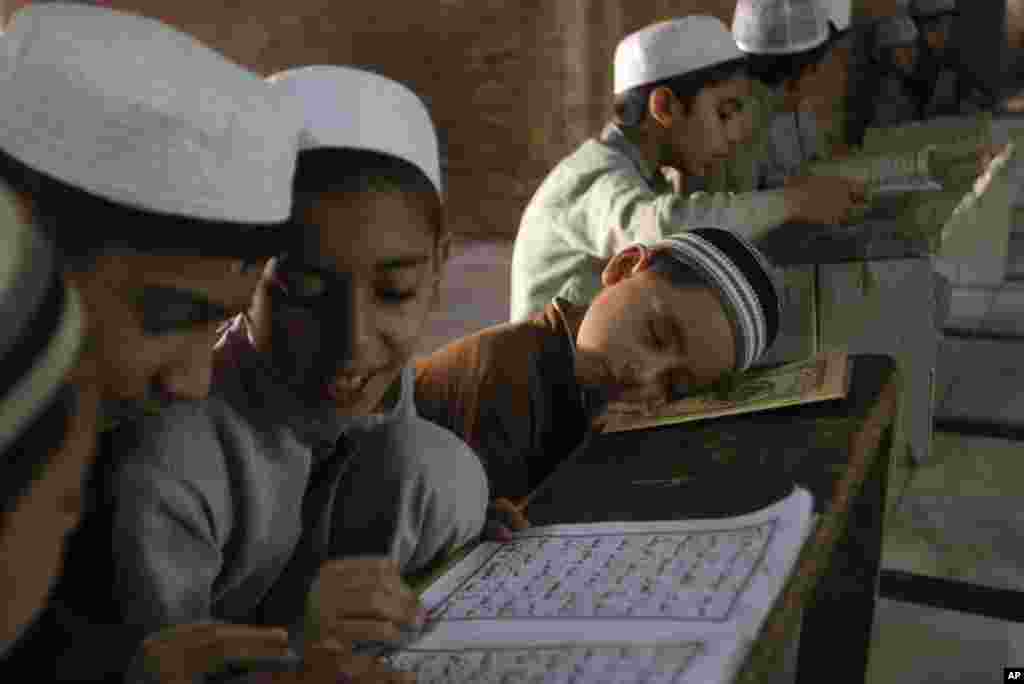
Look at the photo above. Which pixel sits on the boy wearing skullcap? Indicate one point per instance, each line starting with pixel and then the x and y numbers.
pixel 355 471
pixel 677 88
pixel 158 168
pixel 943 85
pixel 788 42
pixel 47 420
pixel 895 58
pixel 673 317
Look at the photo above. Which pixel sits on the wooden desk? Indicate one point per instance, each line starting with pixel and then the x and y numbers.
pixel 895 316
pixel 838 450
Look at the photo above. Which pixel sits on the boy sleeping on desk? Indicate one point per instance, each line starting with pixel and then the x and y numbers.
pixel 673 317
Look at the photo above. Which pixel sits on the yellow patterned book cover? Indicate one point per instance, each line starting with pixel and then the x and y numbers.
pixel 823 377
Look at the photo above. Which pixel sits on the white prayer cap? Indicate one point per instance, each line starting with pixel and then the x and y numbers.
pixel 779 27
pixel 352 108
pixel 671 48
pixel 895 31
pixel 133 111
pixel 931 8
pixel 840 11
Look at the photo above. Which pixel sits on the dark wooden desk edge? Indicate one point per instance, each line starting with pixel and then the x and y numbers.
pixel 783 620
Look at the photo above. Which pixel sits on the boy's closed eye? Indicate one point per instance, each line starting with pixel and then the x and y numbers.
pixel 165 310
pixel 402 281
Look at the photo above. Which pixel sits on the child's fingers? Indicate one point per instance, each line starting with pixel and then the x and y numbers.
pixel 510 514
pixel 334 662
pixel 347 630
pixel 179 654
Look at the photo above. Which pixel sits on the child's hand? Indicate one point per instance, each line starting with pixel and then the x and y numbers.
pixel 333 663
pixel 986 153
pixel 504 518
pixel 992 169
pixel 823 199
pixel 361 600
pixel 177 655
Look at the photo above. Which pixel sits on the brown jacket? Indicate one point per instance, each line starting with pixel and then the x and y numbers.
pixel 511 393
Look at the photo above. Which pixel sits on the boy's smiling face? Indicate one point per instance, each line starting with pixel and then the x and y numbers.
pixel 388 245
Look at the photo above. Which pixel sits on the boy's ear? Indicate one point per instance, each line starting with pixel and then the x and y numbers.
pixel 626 263
pixel 659 106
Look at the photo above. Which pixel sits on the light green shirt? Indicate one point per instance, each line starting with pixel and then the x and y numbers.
pixel 778 147
pixel 603 198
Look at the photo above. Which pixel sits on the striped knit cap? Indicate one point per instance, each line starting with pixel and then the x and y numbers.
pixel 743 280
pixel 40 325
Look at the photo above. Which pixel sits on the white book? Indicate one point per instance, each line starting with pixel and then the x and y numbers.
pixel 678 602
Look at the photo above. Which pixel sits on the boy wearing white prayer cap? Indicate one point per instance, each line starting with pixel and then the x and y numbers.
pixel 157 176
pixel 895 57
pixel 788 43
pixel 363 488
pixel 944 85
pixel 159 168
pixel 676 91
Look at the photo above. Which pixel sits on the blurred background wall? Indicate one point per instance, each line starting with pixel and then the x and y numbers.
pixel 513 85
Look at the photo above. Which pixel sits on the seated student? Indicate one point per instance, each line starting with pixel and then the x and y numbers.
pixel 671 319
pixel 47 420
pixel 943 85
pixel 156 175
pixel 676 90
pixel 302 460
pixel 787 42
pixel 895 61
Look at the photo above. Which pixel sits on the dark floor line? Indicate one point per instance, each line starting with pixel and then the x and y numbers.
pixel 986 335
pixel 980 428
pixel 947 594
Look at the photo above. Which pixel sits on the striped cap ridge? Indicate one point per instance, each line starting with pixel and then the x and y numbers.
pixel 743 279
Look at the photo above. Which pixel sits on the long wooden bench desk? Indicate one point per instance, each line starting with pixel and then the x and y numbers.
pixel 727 466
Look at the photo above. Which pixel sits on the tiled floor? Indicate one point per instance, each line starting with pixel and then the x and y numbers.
pixel 959 518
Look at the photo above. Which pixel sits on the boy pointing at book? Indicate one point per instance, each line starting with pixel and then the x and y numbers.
pixel 678 85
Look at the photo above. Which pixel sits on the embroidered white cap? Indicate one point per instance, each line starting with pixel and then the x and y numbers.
pixel 133 111
pixel 840 11
pixel 353 108
pixel 780 27
pixel 671 48
pixel 895 31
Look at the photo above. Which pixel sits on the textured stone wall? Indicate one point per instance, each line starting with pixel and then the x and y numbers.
pixel 513 86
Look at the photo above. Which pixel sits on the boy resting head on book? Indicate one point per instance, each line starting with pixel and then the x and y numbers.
pixel 672 318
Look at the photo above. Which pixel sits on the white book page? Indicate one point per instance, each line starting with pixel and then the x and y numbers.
pixel 685 599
